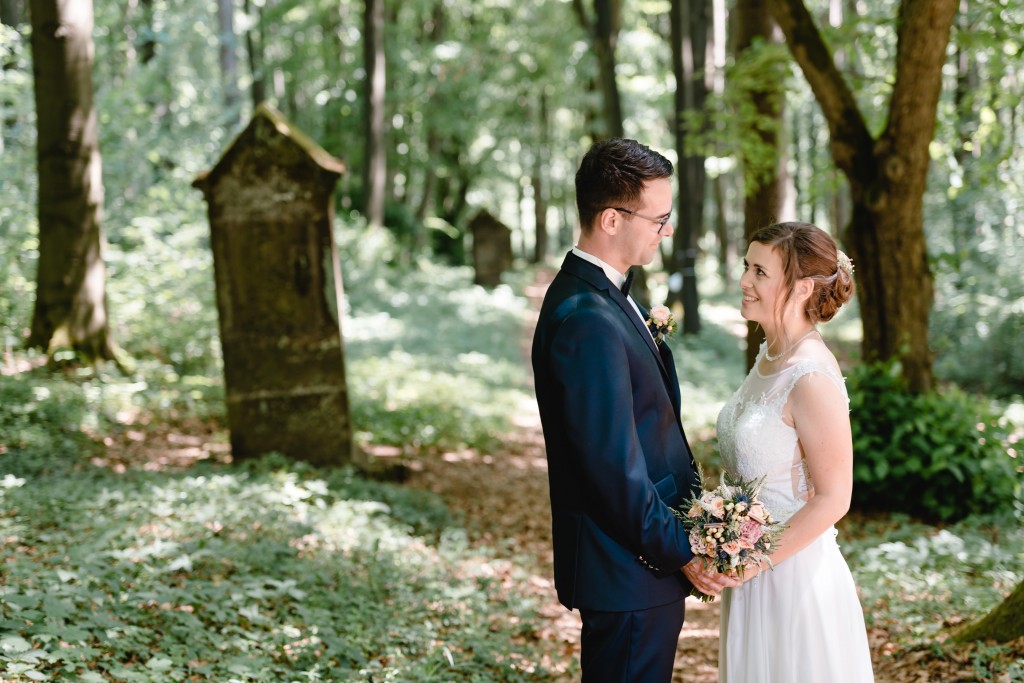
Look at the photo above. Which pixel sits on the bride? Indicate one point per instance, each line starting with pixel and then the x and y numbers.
pixel 801 621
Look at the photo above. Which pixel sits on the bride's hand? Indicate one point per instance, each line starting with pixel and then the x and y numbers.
pixel 750 573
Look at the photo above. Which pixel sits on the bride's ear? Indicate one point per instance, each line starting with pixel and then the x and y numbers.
pixel 803 288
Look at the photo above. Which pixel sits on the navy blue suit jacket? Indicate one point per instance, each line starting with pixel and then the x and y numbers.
pixel 617 454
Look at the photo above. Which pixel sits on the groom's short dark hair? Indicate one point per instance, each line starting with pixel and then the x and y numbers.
pixel 612 174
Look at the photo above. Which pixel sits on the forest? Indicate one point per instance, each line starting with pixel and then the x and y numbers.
pixel 145 536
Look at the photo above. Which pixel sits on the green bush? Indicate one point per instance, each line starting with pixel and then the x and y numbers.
pixel 979 348
pixel 939 456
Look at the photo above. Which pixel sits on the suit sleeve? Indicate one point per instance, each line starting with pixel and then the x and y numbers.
pixel 589 361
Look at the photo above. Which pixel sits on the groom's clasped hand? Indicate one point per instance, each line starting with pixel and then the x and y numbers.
pixel 708 581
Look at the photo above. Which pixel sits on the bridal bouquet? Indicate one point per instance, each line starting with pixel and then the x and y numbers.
pixel 729 528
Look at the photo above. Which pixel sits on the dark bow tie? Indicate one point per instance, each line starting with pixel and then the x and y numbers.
pixel 625 285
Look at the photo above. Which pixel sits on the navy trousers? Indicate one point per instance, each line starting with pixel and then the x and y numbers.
pixel 631 647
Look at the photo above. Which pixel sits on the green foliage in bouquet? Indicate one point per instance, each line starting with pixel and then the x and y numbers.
pixel 939 456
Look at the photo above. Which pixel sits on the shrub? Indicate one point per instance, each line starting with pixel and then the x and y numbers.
pixel 939 456
pixel 980 350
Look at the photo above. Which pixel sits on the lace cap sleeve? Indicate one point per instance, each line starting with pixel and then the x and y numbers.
pixel 810 366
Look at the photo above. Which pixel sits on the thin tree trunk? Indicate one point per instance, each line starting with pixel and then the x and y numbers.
pixel 254 52
pixel 70 308
pixel 374 163
pixel 140 46
pixel 147 51
pixel 420 242
pixel 763 205
pixel 606 36
pixel 524 252
pixel 540 207
pixel 887 175
pixel 228 57
pixel 965 218
pixel 689 33
pixel 726 252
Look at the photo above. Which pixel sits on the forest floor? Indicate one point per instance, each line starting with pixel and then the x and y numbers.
pixel 504 501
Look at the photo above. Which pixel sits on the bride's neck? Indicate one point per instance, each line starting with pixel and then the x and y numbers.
pixel 781 337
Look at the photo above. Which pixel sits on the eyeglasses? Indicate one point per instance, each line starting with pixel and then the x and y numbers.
pixel 660 221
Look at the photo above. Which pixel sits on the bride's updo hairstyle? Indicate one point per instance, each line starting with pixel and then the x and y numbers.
pixel 807 251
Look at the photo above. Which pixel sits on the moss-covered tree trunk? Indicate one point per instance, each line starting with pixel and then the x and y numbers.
pixel 1002 624
pixel 886 173
pixel 70 308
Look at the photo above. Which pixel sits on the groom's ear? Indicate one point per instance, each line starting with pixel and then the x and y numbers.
pixel 608 221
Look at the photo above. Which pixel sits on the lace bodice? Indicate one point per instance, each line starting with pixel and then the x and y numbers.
pixel 756 442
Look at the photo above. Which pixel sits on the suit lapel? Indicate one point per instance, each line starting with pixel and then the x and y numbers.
pixel 596 277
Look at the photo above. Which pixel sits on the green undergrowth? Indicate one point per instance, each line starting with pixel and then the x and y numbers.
pixel 269 571
pixel 919 583
pixel 434 362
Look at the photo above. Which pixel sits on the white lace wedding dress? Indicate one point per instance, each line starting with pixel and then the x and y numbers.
pixel 801 622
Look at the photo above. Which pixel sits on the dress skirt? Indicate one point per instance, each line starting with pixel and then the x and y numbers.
pixel 800 622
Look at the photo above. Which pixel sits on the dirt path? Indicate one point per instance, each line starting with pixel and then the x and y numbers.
pixel 505 502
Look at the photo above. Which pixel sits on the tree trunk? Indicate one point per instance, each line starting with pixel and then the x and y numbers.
pixel 10 12
pixel 254 52
pixel 147 51
pixel 540 207
pixel 887 175
pixel 606 35
pixel 689 32
pixel 1003 624
pixel 70 308
pixel 726 251
pixel 374 163
pixel 965 211
pixel 763 200
pixel 228 57
pixel 435 34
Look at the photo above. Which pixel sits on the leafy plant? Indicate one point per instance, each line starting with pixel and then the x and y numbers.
pixel 941 455
pixel 919 583
pixel 270 571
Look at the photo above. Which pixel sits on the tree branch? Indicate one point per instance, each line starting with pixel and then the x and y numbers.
pixel 851 141
pixel 921 41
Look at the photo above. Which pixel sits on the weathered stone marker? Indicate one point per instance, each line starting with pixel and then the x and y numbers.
pixel 278 290
pixel 492 249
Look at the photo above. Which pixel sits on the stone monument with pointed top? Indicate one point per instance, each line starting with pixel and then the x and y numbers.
pixel 278 280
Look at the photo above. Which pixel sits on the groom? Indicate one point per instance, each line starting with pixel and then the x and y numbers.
pixel 609 403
